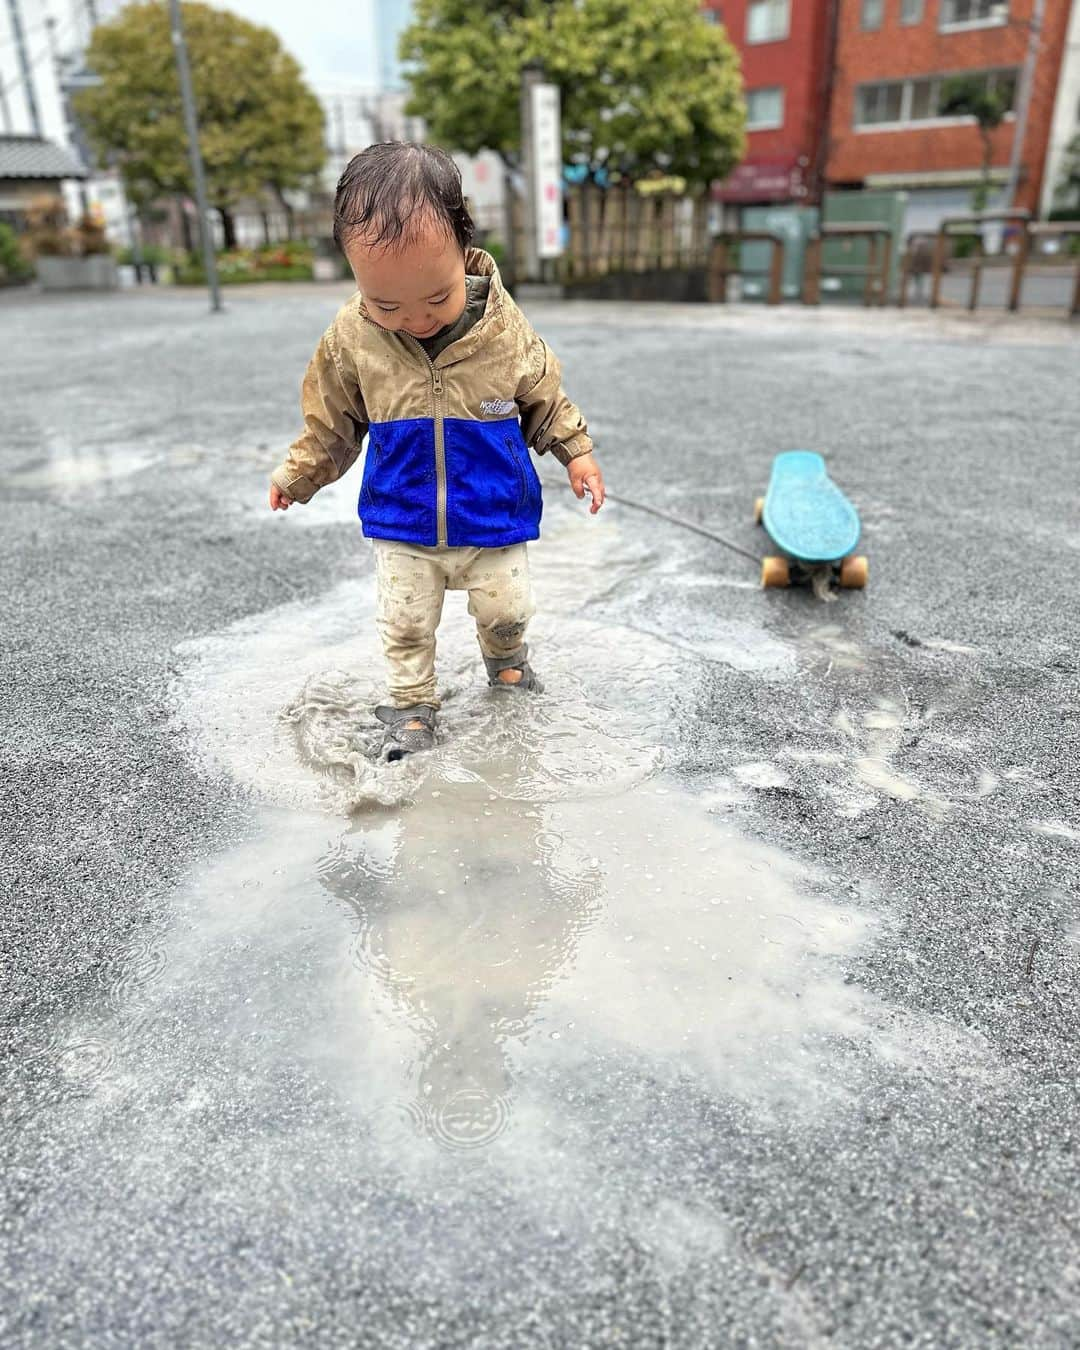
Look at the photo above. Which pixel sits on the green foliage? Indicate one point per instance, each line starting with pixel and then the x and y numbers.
pixel 13 266
pixel 159 255
pixel 260 126
pixel 1067 187
pixel 646 85
pixel 291 261
pixel 969 96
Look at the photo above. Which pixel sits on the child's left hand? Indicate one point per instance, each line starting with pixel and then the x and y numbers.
pixel 585 476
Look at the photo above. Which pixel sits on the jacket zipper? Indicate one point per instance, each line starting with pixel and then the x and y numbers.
pixel 440 437
pixel 440 447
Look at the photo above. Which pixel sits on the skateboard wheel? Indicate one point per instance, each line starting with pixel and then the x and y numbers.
pixel 854 573
pixel 759 510
pixel 775 572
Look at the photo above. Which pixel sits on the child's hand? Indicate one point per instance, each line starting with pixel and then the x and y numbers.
pixel 278 500
pixel 585 476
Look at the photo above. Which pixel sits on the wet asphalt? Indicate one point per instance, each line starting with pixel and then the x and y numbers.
pixel 923 753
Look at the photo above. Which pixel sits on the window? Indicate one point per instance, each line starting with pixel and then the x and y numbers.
pixel 925 98
pixel 1005 83
pixel 878 103
pixel 764 109
pixel 871 15
pixel 767 20
pixel 911 12
pixel 973 13
pixel 712 16
pixel 919 100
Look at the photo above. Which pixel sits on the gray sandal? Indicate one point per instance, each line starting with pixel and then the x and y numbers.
pixel 528 684
pixel 400 739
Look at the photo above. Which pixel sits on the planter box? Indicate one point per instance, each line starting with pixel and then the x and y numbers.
pixel 96 273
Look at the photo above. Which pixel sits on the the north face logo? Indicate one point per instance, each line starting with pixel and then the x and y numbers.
pixel 496 407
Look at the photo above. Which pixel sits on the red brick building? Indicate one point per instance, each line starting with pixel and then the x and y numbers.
pixel 892 58
pixel 784 45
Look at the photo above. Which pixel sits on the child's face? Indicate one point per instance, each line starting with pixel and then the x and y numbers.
pixel 417 288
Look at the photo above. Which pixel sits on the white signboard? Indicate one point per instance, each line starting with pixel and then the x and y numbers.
pixel 547 170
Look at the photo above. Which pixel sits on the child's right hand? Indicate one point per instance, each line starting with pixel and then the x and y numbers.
pixel 278 500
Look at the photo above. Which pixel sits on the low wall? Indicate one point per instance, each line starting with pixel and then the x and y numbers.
pixel 682 284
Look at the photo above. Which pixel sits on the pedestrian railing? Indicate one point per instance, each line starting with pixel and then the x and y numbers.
pixel 1064 231
pixel 1016 222
pixel 726 261
pixel 1018 254
pixel 874 272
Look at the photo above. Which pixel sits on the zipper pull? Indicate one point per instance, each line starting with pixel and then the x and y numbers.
pixel 436 380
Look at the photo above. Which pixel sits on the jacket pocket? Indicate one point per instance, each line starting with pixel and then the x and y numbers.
pixel 371 468
pixel 513 450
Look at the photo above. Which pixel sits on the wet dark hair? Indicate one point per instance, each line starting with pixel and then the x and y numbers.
pixel 388 191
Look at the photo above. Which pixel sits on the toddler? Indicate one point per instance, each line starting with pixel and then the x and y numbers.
pixel 437 366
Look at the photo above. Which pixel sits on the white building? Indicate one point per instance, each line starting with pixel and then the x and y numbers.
pixel 1065 125
pixel 42 43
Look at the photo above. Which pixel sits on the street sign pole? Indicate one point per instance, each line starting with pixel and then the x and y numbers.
pixel 191 122
pixel 547 171
pixel 541 142
pixel 531 76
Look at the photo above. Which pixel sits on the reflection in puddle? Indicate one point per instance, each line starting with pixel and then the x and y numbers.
pixel 482 952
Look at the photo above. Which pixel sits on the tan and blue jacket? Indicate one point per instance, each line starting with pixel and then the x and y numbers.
pixel 447 462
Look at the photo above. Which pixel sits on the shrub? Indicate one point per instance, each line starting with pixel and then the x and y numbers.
pixel 89 237
pixel 13 265
pixel 47 232
pixel 237 267
pixel 158 255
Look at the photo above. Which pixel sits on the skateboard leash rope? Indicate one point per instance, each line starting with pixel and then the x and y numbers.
pixel 685 524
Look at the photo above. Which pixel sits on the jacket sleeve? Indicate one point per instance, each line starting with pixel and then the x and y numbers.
pixel 335 424
pixel 549 421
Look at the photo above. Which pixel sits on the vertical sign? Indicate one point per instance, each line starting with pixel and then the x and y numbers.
pixel 547 169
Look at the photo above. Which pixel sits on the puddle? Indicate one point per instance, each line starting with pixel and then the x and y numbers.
pixel 436 966
pixel 529 899
pixel 88 467
pixel 1056 829
pixel 471 1021
pixel 286 707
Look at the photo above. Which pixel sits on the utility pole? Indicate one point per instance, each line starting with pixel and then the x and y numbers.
pixel 74 138
pixel 24 65
pixel 1023 102
pixel 191 122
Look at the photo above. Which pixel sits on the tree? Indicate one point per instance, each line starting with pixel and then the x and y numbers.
pixel 646 84
pixel 1067 187
pixel 260 126
pixel 968 96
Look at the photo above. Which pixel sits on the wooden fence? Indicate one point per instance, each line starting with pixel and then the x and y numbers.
pixel 620 229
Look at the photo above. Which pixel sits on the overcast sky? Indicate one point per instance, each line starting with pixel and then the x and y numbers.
pixel 330 39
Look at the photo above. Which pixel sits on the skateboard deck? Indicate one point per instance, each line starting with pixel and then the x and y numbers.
pixel 809 519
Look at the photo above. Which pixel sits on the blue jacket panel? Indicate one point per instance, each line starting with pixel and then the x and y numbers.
pixel 492 490
pixel 493 495
pixel 398 492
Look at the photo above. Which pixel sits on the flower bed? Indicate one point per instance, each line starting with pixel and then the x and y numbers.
pixel 291 261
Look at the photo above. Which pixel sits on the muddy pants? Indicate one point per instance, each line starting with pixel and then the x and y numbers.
pixel 412 582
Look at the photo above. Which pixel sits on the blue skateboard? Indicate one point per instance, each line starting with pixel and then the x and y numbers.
pixel 811 522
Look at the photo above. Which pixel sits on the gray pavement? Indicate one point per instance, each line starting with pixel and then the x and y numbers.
pixel 727 995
